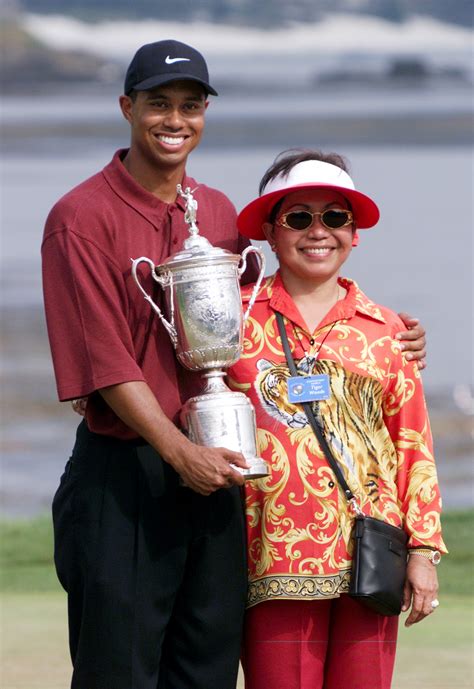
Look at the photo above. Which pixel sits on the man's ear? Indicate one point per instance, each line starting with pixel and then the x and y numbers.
pixel 269 231
pixel 126 105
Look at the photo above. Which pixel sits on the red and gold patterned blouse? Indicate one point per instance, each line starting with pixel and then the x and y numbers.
pixel 298 520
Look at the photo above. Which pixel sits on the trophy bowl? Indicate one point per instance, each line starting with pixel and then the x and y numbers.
pixel 207 312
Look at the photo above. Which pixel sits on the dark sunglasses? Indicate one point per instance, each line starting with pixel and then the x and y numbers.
pixel 332 219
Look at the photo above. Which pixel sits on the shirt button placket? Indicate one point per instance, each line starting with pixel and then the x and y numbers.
pixel 171 213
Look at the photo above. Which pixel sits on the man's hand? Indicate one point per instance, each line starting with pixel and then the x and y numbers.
pixel 413 340
pixel 421 588
pixel 206 469
pixel 79 405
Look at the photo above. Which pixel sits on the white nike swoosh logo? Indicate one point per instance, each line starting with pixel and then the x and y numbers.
pixel 169 60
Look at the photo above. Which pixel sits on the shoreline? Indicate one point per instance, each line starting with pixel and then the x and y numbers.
pixel 422 129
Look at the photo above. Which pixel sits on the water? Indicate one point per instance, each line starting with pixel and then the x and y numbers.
pixel 99 104
pixel 418 259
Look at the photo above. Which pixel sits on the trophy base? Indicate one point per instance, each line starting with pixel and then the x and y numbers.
pixel 222 418
pixel 258 468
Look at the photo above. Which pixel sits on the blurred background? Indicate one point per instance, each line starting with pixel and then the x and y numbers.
pixel 387 83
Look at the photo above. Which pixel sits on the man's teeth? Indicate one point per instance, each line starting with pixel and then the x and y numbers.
pixel 323 250
pixel 171 140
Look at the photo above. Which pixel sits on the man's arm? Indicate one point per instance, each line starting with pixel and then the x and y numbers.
pixel 413 341
pixel 204 469
pixel 86 301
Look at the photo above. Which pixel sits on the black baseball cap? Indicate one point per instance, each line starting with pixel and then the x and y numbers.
pixel 159 63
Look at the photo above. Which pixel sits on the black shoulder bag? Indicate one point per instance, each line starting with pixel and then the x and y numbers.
pixel 379 560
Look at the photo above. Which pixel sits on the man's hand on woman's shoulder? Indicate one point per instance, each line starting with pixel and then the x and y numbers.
pixel 413 340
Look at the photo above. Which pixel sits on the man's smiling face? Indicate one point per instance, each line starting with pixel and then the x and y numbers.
pixel 167 122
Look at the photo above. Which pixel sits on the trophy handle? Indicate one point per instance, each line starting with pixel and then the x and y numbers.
pixel 261 258
pixel 165 281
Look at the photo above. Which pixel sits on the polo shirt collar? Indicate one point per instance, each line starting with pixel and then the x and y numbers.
pixel 133 194
pixel 355 301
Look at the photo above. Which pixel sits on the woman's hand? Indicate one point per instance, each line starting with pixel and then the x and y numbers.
pixel 413 340
pixel 421 588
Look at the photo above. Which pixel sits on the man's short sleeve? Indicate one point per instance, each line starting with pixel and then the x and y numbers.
pixel 86 312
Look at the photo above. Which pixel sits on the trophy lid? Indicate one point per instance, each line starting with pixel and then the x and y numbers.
pixel 197 250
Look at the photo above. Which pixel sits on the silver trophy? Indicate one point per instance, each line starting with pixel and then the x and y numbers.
pixel 205 323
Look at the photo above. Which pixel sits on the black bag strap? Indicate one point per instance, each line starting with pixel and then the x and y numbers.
pixel 313 422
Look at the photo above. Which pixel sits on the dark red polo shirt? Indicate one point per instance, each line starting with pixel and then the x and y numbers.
pixel 102 331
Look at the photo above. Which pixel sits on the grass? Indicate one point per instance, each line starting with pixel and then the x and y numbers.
pixel 34 649
pixel 26 555
pixel 436 654
pixel 456 571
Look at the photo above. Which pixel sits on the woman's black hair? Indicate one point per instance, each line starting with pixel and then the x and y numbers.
pixel 286 160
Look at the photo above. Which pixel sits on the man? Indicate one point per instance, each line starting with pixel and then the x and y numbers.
pixel 148 526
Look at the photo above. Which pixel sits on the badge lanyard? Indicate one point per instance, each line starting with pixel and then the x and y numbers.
pixel 313 422
pixel 320 345
pixel 307 388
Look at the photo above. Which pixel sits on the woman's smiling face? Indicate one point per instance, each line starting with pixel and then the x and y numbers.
pixel 315 254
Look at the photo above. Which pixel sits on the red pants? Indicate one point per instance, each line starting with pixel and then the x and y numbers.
pixel 324 644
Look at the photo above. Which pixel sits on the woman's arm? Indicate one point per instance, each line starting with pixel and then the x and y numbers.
pixel 406 418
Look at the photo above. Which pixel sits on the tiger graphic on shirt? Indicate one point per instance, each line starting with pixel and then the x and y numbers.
pixel 352 418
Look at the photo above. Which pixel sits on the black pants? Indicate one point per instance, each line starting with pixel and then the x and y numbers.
pixel 155 573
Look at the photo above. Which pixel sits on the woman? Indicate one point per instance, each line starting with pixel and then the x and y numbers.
pixel 302 629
